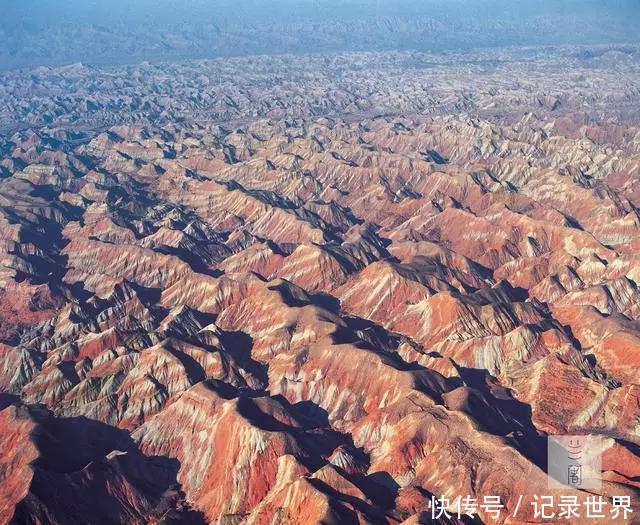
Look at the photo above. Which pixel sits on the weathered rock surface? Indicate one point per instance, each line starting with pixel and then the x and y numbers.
pixel 320 319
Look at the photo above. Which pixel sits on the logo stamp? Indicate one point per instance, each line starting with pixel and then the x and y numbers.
pixel 575 461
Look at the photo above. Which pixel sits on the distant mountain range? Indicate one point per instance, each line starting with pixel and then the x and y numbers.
pixel 36 32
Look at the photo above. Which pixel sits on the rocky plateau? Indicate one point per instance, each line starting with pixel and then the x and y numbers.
pixel 316 289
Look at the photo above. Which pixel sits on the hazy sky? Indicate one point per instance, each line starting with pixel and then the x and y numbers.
pixel 166 10
pixel 58 31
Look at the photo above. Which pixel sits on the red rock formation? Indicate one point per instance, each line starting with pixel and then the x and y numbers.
pixel 316 320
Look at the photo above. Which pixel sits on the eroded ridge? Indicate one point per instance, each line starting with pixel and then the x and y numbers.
pixel 318 318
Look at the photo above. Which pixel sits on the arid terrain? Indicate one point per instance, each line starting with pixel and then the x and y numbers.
pixel 317 288
pixel 54 33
